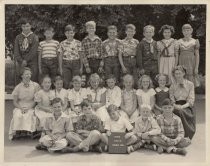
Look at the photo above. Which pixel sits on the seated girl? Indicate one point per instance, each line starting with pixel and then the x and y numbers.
pixel 43 98
pixel 129 99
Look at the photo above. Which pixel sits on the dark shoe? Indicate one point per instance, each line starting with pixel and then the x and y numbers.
pixel 36 134
pixel 41 147
pixel 96 148
pixel 67 150
pixel 150 146
pixel 180 151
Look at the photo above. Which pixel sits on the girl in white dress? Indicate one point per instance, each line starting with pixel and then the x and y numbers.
pixel 60 92
pixel 129 99
pixel 146 93
pixel 94 94
pixel 43 98
pixel 23 99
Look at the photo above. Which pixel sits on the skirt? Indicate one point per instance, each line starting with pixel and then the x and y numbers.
pixel 188 119
pixel 20 121
pixel 166 66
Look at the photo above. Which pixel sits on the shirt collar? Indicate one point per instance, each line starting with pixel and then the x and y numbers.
pixel 95 37
pixel 148 40
pixel 69 42
pixel 27 34
pixel 165 89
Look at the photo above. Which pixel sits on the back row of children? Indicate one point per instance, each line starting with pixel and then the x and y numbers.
pixel 112 56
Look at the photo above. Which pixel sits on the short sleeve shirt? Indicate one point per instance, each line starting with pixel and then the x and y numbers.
pixel 118 126
pixel 112 48
pixel 129 47
pixel 70 50
pixel 77 96
pixel 25 95
pixel 145 96
pixel 63 94
pixel 43 97
pixel 48 48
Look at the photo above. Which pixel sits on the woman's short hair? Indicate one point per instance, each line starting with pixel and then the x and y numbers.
pixel 180 68
pixel 164 27
pixel 24 69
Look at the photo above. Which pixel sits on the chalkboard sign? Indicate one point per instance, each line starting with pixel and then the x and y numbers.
pixel 117 143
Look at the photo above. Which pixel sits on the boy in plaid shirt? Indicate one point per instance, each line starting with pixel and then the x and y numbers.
pixel 86 135
pixel 172 132
pixel 92 50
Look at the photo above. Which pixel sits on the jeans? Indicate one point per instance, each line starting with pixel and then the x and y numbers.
pixel 49 66
pixel 112 66
pixel 70 69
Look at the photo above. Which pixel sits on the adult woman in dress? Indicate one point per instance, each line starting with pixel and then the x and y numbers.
pixel 183 95
pixel 24 120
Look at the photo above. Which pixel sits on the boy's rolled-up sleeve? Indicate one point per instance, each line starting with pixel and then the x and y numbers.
pixel 155 128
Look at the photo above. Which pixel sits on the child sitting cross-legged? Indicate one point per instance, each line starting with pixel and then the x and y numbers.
pixel 117 123
pixel 86 135
pixel 145 128
pixel 55 129
pixel 172 132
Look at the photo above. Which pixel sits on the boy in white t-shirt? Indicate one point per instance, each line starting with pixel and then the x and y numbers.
pixel 117 123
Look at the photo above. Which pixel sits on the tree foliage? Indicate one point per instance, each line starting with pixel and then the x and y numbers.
pixel 59 16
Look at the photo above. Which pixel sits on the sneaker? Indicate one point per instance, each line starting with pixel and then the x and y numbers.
pixel 51 151
pixel 180 151
pixel 40 147
pixel 160 150
pixel 36 134
pixel 130 149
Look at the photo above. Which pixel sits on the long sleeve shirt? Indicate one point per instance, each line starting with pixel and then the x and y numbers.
pixel 31 53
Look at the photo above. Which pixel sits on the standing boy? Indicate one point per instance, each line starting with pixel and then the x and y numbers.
pixel 92 50
pixel 25 49
pixel 112 50
pixel 48 56
pixel 70 61
pixel 55 129
pixel 128 58
pixel 172 132
pixel 146 55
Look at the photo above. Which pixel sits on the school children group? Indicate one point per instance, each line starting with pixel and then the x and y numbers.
pixel 119 96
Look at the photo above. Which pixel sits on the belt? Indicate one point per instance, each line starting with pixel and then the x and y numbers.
pixel 67 60
pixel 131 56
pixel 49 58
pixel 112 57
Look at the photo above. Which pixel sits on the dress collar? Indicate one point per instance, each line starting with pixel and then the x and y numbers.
pixel 94 38
pixel 165 89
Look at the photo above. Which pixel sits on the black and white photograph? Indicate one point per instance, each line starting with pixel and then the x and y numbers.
pixel 117 83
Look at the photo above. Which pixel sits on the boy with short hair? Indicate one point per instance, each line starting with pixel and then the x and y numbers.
pixel 70 60
pixel 25 48
pixel 172 132
pixel 86 133
pixel 145 128
pixel 128 58
pixel 48 56
pixel 146 54
pixel 112 50
pixel 117 123
pixel 55 129
pixel 92 50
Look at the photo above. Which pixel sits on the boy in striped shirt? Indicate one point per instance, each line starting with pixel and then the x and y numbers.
pixel 48 59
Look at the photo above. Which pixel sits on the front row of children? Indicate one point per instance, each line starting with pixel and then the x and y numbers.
pixel 164 133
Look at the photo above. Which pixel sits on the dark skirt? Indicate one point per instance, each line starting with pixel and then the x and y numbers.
pixel 188 119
